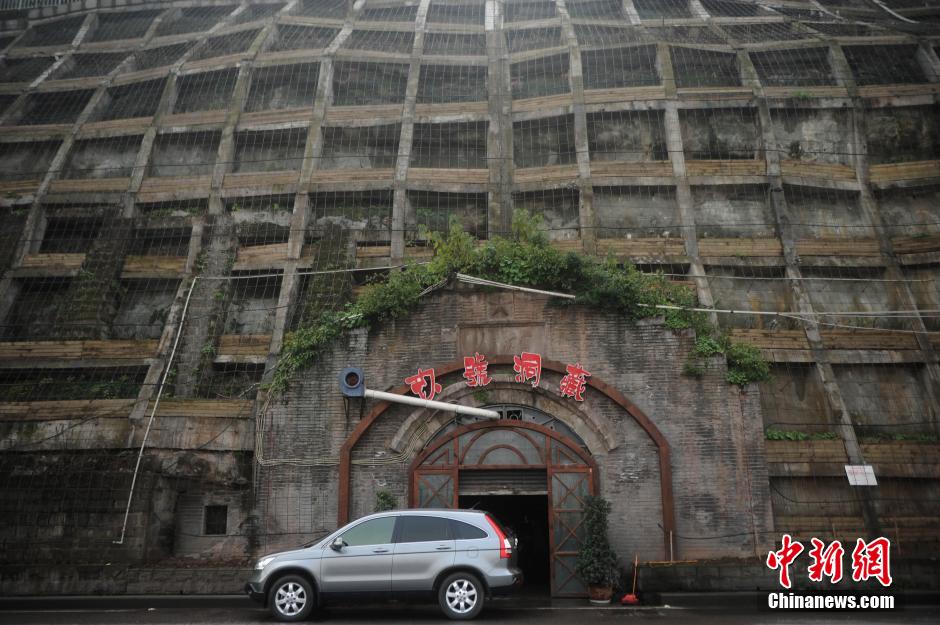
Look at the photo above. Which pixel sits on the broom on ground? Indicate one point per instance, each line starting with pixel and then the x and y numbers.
pixel 631 598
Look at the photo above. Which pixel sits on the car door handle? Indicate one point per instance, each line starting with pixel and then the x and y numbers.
pixel 442 547
pixel 380 550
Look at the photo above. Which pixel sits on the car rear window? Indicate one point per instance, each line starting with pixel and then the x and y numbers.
pixel 465 531
pixel 419 529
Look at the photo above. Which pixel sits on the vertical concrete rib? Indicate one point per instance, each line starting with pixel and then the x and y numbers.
pixel 499 132
pixel 630 11
pixel 400 193
pixel 676 149
pixel 586 219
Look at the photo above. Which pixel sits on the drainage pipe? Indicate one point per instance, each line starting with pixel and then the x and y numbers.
pixel 428 403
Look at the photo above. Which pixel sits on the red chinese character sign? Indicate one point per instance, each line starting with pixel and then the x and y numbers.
pixel 528 367
pixel 826 562
pixel 572 385
pixel 872 559
pixel 869 559
pixel 474 370
pixel 423 384
pixel 783 558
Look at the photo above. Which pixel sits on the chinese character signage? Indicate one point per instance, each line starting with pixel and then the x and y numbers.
pixel 423 384
pixel 869 560
pixel 527 367
pixel 474 370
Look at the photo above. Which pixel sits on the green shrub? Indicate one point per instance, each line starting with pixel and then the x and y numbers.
pixel 527 259
pixel 597 563
pixel 385 501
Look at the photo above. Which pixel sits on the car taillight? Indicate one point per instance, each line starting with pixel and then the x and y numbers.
pixel 505 547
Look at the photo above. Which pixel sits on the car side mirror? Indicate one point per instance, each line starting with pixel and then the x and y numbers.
pixel 338 544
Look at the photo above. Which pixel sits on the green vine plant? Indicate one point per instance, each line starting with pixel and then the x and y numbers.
pixel 524 259
pixel 773 434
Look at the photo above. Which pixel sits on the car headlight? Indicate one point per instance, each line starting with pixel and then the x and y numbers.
pixel 263 562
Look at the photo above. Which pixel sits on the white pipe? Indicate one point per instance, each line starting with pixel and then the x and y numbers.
pixel 153 413
pixel 428 403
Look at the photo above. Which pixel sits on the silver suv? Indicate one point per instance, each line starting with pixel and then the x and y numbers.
pixel 458 557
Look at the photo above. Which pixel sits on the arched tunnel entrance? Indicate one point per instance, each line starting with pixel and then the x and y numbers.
pixel 529 470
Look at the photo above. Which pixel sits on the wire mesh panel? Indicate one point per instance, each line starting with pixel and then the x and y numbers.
pixel 596 9
pixel 435 212
pixel 762 33
pixel 87 65
pixel 269 150
pixel 724 8
pixel 25 69
pixel 559 208
pixel 696 68
pixel 123 25
pixel 602 34
pixel 869 69
pixel 522 39
pixel 254 12
pixel 159 56
pixel 283 87
pixel 803 66
pixel 53 107
pixel 225 44
pixel 458 146
pixel 636 212
pixel 204 91
pixel 359 83
pixel 381 41
pixel 52 33
pixel 524 11
pixel 720 134
pixel 452 83
pixel 193 19
pixel 365 147
pixel 662 9
pixel 102 158
pixel 542 142
pixel 184 153
pixel 448 44
pixel 26 160
pixel 902 134
pixel 297 37
pixel 140 99
pixel 389 12
pixel 467 13
pixel 627 136
pixel 620 67
pixel 540 77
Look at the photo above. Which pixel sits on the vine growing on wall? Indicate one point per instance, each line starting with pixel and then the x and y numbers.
pixel 524 259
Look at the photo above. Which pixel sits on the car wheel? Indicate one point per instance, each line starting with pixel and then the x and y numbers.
pixel 461 596
pixel 291 598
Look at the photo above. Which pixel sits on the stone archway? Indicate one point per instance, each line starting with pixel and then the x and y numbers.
pixel 516 452
pixel 594 383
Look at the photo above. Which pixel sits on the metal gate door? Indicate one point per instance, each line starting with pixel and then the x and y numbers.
pixel 525 449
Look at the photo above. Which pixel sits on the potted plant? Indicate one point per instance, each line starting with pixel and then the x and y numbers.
pixel 597 562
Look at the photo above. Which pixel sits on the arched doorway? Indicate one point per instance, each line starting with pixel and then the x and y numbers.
pixel 528 469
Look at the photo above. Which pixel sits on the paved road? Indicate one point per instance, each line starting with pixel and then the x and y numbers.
pixel 238 611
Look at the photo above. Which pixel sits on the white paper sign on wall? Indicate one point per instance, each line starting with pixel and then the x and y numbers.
pixel 860 475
